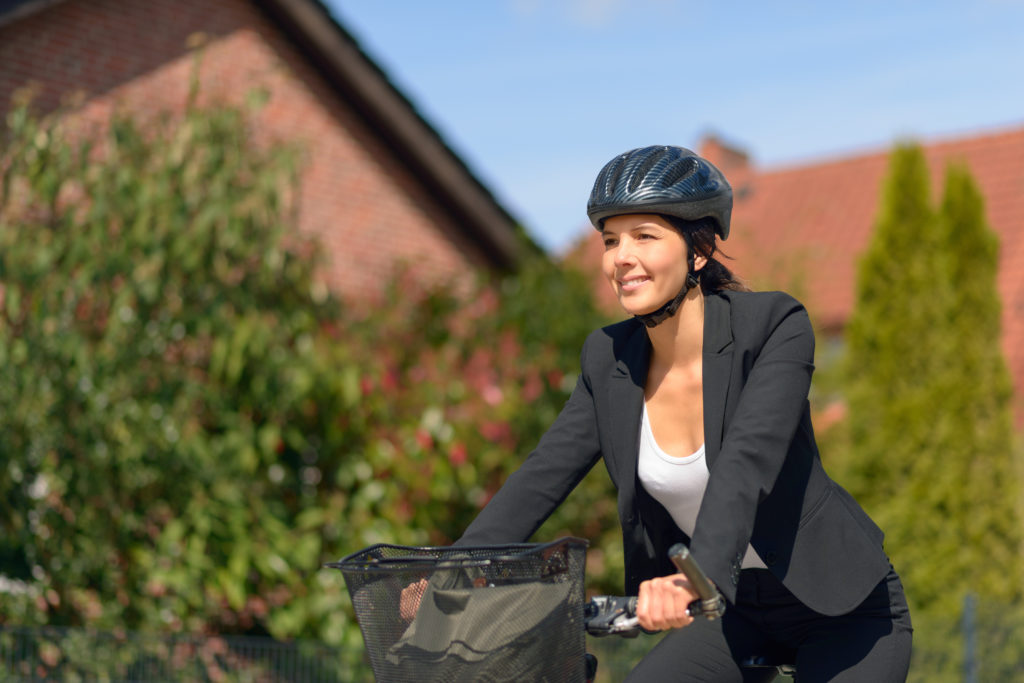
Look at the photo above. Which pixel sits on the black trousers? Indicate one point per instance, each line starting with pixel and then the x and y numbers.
pixel 871 643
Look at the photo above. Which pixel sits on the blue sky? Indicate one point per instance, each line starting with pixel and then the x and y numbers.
pixel 535 96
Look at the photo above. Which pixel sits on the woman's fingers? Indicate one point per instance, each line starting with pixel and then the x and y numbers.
pixel 410 600
pixel 662 603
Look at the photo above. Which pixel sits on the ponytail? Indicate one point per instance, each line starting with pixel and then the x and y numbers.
pixel 701 236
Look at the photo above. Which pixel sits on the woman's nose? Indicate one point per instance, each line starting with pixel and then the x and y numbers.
pixel 623 253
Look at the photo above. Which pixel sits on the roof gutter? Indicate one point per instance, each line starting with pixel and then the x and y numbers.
pixel 14 10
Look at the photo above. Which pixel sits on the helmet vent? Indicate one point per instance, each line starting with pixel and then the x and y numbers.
pixel 639 174
pixel 613 174
pixel 683 168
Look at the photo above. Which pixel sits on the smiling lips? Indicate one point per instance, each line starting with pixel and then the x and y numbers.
pixel 633 283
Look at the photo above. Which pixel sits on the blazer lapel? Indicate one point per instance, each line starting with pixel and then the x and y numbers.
pixel 626 394
pixel 716 372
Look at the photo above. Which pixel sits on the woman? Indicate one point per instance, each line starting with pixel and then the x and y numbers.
pixel 698 406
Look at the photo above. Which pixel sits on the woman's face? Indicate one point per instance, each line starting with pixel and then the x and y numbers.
pixel 644 261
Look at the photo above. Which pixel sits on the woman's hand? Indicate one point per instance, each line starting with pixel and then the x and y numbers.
pixel 409 603
pixel 662 602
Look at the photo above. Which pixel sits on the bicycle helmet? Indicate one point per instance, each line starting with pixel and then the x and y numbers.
pixel 665 180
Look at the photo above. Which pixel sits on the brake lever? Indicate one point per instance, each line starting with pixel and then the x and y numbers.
pixel 607 615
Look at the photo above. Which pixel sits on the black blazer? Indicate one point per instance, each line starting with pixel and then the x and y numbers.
pixel 766 485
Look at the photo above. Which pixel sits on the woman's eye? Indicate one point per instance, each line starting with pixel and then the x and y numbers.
pixel 609 242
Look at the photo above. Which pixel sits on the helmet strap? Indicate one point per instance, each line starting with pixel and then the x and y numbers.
pixel 670 308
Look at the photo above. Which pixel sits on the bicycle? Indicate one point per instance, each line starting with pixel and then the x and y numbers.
pixel 513 612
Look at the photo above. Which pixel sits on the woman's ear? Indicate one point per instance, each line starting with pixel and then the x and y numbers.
pixel 699 262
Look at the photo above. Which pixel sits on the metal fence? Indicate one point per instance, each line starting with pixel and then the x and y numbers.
pixel 79 655
pixel 985 644
pixel 66 654
pixel 982 644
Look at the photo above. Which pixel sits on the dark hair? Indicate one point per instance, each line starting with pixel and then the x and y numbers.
pixel 701 236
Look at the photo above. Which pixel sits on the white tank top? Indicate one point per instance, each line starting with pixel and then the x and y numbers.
pixel 677 483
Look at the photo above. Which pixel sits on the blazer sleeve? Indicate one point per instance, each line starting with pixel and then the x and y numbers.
pixel 564 455
pixel 756 440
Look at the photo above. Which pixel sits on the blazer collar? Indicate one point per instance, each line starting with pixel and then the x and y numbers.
pixel 632 357
pixel 716 372
pixel 717 325
pixel 626 394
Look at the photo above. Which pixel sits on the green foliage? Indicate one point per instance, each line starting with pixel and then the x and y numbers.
pixel 553 310
pixel 463 410
pixel 191 424
pixel 930 431
pixel 157 357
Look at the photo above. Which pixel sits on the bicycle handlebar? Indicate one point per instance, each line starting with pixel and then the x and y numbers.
pixel 607 615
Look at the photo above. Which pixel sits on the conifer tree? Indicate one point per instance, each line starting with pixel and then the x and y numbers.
pixel 978 422
pixel 929 393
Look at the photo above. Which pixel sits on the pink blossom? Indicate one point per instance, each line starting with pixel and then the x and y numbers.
pixel 532 388
pixel 424 440
pixel 492 394
pixel 457 454
pixel 495 431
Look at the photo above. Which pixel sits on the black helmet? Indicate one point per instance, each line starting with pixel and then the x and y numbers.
pixel 665 180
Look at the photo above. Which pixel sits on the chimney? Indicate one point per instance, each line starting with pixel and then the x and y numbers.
pixel 731 161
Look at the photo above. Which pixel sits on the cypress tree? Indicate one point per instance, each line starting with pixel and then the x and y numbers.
pixel 978 422
pixel 929 393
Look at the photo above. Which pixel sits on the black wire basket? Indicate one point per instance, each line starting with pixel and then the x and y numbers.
pixel 484 613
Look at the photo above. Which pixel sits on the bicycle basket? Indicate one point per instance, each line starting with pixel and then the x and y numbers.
pixel 487 613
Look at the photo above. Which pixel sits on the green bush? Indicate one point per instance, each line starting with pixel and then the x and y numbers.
pixel 191 424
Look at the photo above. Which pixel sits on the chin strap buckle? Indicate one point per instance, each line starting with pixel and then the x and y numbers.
pixel 669 309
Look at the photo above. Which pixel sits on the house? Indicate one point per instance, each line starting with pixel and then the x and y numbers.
pixel 802 227
pixel 380 187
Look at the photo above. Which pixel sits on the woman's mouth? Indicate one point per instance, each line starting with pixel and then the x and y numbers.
pixel 633 283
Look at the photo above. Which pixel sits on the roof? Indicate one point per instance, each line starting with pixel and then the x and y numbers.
pixel 336 54
pixel 803 227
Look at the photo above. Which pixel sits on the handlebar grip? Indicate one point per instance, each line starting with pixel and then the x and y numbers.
pixel 684 562
pixel 711 604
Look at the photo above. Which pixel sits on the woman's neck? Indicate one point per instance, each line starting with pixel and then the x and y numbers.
pixel 680 339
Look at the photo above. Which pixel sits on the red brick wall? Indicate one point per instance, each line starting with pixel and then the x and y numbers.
pixel 356 198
